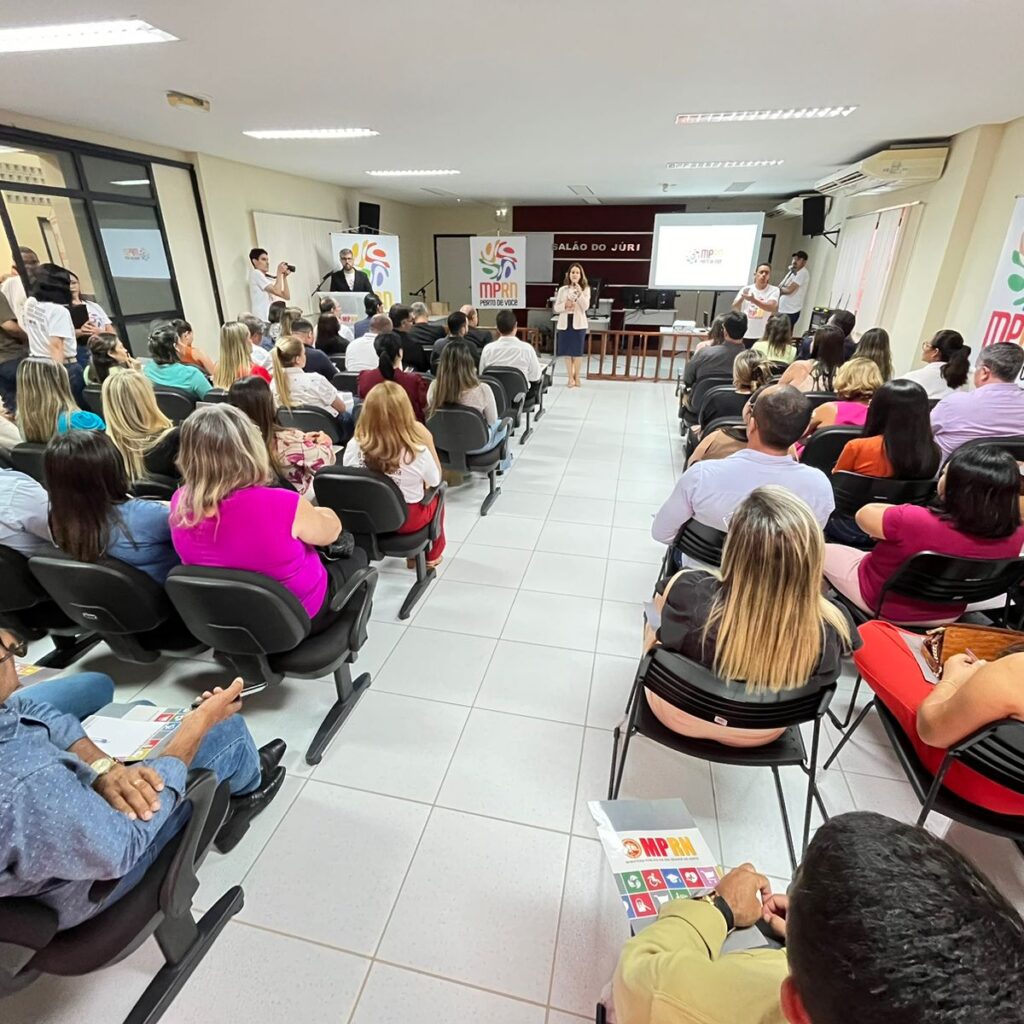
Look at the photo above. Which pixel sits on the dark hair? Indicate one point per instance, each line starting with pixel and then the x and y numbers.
pixel 253 324
pixel 763 263
pixel 253 396
pixel 181 327
pixel 800 254
pixel 398 313
pixel 844 320
pixel 955 354
pixel 716 332
pixel 389 347
pixel 163 346
pixel 456 321
pixel 505 321
pixel 873 932
pixel 782 414
pixel 300 325
pixel 1003 360
pixel 255 254
pixel 101 347
pixel 981 496
pixel 827 351
pixel 735 325
pixel 778 336
pixel 874 345
pixel 899 412
pixel 275 310
pixel 86 481
pixel 371 304
pixel 328 334
pixel 50 283
pixel 327 304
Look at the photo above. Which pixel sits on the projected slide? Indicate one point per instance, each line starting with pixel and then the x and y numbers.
pixel 705 251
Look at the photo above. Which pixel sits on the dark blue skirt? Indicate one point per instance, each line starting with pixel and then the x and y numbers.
pixel 571 341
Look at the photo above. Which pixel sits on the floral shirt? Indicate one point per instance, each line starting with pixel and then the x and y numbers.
pixel 302 455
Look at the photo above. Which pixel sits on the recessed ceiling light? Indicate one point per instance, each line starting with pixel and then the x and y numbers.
pixel 792 114
pixel 312 133
pixel 712 165
pixel 411 174
pixel 131 181
pixel 126 32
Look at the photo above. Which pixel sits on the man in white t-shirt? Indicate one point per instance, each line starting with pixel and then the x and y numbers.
pixel 362 354
pixel 793 289
pixel 13 287
pixel 263 285
pixel 508 350
pixel 758 301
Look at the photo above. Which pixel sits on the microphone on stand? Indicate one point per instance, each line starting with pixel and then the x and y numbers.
pixel 322 279
pixel 422 292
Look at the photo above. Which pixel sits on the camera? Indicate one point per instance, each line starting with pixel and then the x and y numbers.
pixel 291 268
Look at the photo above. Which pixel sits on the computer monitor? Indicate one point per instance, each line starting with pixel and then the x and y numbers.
pixel 660 298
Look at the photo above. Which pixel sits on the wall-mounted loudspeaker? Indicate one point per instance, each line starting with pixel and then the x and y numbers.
pixel 369 218
pixel 814 215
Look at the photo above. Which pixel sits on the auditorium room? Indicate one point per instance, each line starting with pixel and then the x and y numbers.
pixel 527 531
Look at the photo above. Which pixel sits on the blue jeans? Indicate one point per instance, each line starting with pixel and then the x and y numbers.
pixel 498 433
pixel 76 377
pixel 81 694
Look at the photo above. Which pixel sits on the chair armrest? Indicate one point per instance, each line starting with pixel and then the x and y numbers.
pixel 432 492
pixel 362 577
pixel 437 520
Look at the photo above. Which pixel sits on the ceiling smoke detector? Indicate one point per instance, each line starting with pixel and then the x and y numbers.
pixel 183 99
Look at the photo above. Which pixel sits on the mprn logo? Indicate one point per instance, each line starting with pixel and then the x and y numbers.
pixel 705 256
pixel 498 260
pixel 372 258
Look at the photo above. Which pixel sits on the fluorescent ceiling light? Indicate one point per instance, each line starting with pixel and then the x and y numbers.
pixel 410 174
pixel 132 181
pixel 9 149
pixel 713 165
pixel 312 133
pixel 127 32
pixel 801 114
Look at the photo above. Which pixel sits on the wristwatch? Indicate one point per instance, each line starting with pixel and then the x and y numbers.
pixel 722 907
pixel 102 765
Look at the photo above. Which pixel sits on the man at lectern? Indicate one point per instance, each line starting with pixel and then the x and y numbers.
pixel 348 279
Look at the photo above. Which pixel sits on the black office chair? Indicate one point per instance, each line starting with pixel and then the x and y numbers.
pixel 547 378
pixel 720 401
pixel 722 422
pixel 214 396
pixel 777 367
pixel 345 381
pixel 156 487
pixel 175 403
pixel 699 692
pixel 259 627
pixel 120 603
pixel 817 398
pixel 28 458
pixel 28 611
pixel 690 413
pixel 1012 443
pixel 338 360
pixel 310 417
pixel 517 389
pixel 501 400
pixel 372 508
pixel 695 540
pixel 159 906
pixel 459 432
pixel 823 448
pixel 92 398
pixel 853 491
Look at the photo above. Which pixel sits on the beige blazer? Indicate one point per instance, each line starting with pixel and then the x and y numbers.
pixel 563 307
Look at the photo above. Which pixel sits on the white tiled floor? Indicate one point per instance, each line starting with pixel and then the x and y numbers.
pixel 440 864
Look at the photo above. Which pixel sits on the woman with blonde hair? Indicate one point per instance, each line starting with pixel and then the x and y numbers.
pixel 777 345
pixel 292 386
pixel 236 359
pixel 388 440
pixel 45 404
pixel 874 345
pixel 856 384
pixel 761 620
pixel 227 487
pixel 571 304
pixel 145 437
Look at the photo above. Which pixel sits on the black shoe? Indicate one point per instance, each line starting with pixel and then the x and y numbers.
pixel 270 756
pixel 243 809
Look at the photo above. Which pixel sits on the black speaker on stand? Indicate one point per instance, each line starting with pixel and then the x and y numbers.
pixel 369 218
pixel 814 215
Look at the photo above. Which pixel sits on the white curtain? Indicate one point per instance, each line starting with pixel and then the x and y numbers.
pixel 854 246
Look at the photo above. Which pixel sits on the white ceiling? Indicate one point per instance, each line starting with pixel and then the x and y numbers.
pixel 531 97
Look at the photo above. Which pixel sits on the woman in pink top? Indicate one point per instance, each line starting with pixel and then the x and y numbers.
pixel 228 514
pixel 856 383
pixel 978 516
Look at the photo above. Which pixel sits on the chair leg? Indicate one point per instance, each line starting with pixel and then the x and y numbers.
pixel 856 726
pixel 616 736
pixel 785 817
pixel 155 1001
pixel 492 494
pixel 933 790
pixel 849 711
pixel 528 431
pixel 349 693
pixel 67 649
pixel 812 787
pixel 424 577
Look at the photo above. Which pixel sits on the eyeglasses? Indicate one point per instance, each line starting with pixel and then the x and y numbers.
pixel 15 649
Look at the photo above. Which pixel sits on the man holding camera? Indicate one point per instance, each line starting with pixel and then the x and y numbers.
pixel 263 286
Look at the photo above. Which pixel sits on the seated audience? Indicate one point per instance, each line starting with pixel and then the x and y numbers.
pixel 316 361
pixel 274 314
pixel 92 515
pixel 295 455
pixel 45 405
pixel 419 338
pixel 977 515
pixel 874 345
pixel 818 372
pixel 508 350
pixel 775 417
pixel 362 353
pixel 457 326
pixel 994 409
pixel 9 434
pixel 719 444
pixel 24 512
pixel 47 322
pixel 400 317
pixel 107 355
pixel 935 716
pixel 293 386
pixel 762 620
pixel 372 306
pixel 475 334
pixel 390 368
pixel 58 838
pixel 856 382
pixel 871 935
pixel 256 328
pixel 457 383
pixel 845 321
pixel 716 334
pixel 777 345
pixel 189 352
pixel 167 370
pixel 716 360
pixel 947 364
pixel 750 371
pixel 388 440
pixel 236 361
pixel 328 336
pixel 227 488
pixel 329 306
pixel 145 437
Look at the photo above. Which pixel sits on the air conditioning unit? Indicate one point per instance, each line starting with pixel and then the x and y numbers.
pixel 790 208
pixel 887 171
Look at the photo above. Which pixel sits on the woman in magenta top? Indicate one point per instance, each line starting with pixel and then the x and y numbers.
pixel 228 514
pixel 977 516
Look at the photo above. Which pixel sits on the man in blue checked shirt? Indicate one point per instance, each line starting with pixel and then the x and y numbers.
pixel 71 816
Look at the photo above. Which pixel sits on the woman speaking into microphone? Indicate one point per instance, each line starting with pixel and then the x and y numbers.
pixel 571 305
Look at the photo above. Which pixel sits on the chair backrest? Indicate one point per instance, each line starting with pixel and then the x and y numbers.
pixel 338 360
pixel 1014 444
pixel 215 395
pixel 817 398
pixel 27 457
pixel 722 401
pixel 19 589
pixel 853 491
pixel 310 417
pixel 501 396
pixel 700 542
pixel 513 380
pixel 725 421
pixel 777 367
pixel 997 752
pixel 92 398
pixel 368 503
pixel 160 488
pixel 826 444
pixel 939 579
pixel 698 691
pixel 346 381
pixel 175 403
pixel 703 386
pixel 456 430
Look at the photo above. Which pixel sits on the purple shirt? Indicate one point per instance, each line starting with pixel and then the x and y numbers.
pixel 253 532
pixel 993 410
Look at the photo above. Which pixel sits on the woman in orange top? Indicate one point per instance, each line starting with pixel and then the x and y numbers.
pixel 188 352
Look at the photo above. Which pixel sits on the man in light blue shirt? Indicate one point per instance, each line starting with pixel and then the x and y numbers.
pixel 775 417
pixel 24 514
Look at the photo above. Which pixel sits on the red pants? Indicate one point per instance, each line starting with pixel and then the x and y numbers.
pixel 890 669
pixel 418 518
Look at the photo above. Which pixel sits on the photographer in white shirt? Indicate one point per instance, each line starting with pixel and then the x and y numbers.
pixel 758 301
